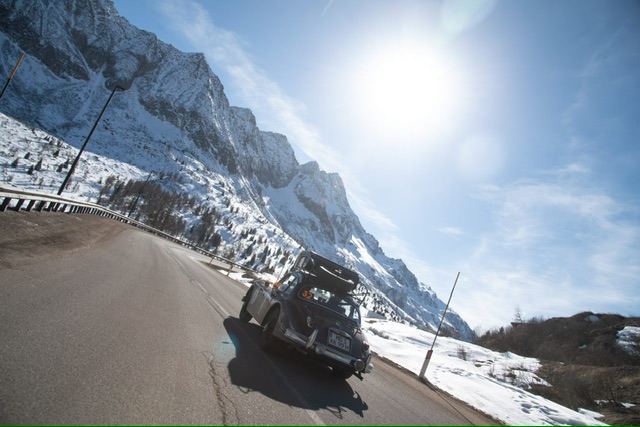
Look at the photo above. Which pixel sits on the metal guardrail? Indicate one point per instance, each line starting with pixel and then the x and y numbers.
pixel 16 199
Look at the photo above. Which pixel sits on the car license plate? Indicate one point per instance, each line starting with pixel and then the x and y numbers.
pixel 343 343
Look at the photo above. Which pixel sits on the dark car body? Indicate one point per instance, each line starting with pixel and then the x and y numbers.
pixel 314 309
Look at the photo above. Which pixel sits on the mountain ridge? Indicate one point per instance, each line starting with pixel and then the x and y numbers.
pixel 175 116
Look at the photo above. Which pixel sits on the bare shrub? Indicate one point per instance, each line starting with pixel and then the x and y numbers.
pixel 462 353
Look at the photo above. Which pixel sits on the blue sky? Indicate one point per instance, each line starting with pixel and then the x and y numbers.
pixel 498 139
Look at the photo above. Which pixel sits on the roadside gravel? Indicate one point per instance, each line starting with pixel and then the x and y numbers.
pixel 27 236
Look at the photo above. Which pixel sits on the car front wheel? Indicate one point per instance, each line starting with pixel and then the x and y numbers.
pixel 245 316
pixel 267 340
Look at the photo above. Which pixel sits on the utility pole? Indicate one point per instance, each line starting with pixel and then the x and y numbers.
pixel 430 352
pixel 75 162
pixel 11 75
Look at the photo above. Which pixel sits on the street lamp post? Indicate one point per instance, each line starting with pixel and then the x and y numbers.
pixel 430 352
pixel 135 202
pixel 75 162
pixel 15 68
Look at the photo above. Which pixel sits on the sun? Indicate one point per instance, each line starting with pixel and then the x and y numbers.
pixel 407 90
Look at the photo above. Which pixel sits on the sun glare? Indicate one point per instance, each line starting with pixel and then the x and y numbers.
pixel 411 92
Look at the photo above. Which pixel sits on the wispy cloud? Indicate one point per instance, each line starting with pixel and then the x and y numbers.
pixel 604 107
pixel 451 231
pixel 560 245
pixel 326 8
pixel 597 67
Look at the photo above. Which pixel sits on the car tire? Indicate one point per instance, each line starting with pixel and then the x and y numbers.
pixel 245 316
pixel 341 373
pixel 268 341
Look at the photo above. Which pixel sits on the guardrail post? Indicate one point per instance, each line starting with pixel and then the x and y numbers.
pixel 30 205
pixel 40 206
pixel 18 205
pixel 5 204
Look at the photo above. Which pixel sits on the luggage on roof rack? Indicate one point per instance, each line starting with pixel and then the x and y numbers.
pixel 330 275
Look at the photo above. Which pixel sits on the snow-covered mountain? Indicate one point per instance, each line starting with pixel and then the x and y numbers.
pixel 175 120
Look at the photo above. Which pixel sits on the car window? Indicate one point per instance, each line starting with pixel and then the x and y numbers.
pixel 288 281
pixel 331 301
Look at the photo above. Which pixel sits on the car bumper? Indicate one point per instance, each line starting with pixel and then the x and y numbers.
pixel 310 345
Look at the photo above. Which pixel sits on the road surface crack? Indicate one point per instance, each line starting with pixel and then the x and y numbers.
pixel 227 408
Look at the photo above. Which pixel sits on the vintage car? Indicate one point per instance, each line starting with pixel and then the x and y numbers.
pixel 315 309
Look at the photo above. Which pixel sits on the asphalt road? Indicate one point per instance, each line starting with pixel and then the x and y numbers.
pixel 101 323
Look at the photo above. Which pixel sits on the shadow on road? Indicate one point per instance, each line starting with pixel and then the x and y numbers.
pixel 288 377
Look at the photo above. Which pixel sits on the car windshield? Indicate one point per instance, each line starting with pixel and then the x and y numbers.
pixel 334 302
